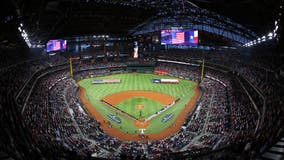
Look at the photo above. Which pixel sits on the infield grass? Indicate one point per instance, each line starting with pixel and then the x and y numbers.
pixel 138 81
pixel 149 107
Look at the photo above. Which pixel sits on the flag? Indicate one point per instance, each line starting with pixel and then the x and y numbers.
pixel 193 37
pixel 178 38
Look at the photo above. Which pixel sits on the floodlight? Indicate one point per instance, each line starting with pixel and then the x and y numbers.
pixel 275 34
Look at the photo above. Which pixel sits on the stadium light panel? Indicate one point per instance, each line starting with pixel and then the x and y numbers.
pixel 270 34
pixel 275 34
pixel 276 27
pixel 21 24
pixel 19 28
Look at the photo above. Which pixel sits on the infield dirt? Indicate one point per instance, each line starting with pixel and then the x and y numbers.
pixel 116 98
pixel 105 125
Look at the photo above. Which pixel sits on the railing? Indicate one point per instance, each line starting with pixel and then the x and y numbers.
pixel 254 105
pixel 263 98
pixel 34 76
pixel 34 83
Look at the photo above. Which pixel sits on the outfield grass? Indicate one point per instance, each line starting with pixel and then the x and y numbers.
pixel 138 81
pixel 150 107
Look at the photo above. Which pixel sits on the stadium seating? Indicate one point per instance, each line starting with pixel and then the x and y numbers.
pixel 224 115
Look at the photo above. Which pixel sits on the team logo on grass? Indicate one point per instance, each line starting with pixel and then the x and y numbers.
pixel 114 118
pixel 167 118
pixel 137 106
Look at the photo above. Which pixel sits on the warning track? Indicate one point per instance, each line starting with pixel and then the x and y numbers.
pixel 152 95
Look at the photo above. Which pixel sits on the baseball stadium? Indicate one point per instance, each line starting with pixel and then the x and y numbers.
pixel 107 79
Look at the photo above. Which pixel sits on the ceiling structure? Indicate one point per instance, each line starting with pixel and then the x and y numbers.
pixel 44 20
pixel 257 15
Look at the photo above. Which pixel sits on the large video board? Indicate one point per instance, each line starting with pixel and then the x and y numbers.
pixel 182 37
pixel 56 45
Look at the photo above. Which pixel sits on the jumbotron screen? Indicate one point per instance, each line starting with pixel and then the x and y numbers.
pixel 183 37
pixel 56 45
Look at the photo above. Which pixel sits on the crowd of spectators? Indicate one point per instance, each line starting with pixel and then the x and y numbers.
pixel 214 123
pixel 256 71
pixel 223 115
pixel 182 71
pixel 15 73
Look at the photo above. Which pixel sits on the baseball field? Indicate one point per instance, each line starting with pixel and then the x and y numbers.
pixel 125 108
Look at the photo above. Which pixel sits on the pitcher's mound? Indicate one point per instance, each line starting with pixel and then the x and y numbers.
pixel 139 106
pixel 141 123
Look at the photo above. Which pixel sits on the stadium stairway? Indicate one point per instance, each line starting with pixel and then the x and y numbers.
pixel 276 152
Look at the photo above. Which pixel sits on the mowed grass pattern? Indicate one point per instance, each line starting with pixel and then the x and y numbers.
pixel 150 107
pixel 138 81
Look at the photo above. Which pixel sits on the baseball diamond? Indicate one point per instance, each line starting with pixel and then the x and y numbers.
pixel 139 103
